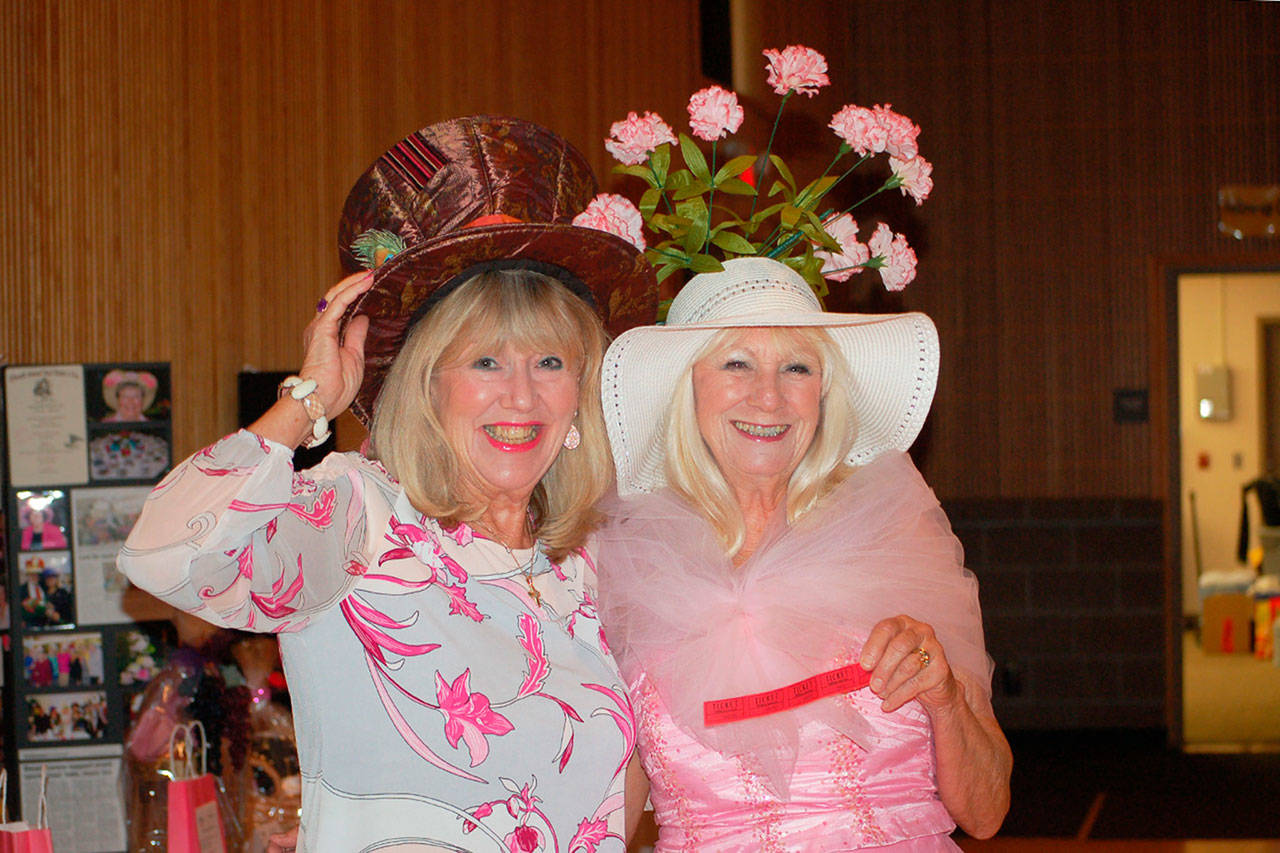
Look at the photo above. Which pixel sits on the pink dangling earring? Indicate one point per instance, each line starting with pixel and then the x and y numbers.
pixel 572 438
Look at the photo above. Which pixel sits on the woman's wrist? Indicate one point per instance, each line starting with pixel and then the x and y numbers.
pixel 305 392
pixel 285 423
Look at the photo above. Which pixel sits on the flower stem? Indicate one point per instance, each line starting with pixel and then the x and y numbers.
pixel 661 186
pixel 768 150
pixel 675 256
pixel 711 197
pixel 887 185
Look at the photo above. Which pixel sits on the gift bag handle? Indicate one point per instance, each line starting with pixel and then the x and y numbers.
pixel 188 770
pixel 4 795
pixel 42 822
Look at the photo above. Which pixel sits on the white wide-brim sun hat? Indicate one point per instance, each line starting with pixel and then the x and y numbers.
pixel 892 362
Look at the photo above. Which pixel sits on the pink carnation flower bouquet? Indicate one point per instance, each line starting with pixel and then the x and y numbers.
pixel 792 223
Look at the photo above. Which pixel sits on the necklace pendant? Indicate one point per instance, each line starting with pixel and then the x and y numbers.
pixel 533 591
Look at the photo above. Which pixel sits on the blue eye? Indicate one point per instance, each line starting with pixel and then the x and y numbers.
pixel 485 362
pixel 800 368
pixel 551 362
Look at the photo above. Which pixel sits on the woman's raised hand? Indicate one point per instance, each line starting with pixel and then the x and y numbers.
pixel 908 662
pixel 337 368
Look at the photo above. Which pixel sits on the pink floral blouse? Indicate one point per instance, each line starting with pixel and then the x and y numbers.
pixel 436 705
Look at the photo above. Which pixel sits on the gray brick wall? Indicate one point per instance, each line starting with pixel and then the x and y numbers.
pixel 1073 607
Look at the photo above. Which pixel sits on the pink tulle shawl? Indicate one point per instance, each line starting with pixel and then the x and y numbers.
pixel 677 612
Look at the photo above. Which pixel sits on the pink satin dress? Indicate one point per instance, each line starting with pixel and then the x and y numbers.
pixel 686 627
pixel 841 796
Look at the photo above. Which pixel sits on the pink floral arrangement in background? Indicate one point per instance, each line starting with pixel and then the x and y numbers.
pixel 791 223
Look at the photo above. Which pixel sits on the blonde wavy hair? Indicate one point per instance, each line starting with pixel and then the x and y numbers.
pixel 531 311
pixel 692 472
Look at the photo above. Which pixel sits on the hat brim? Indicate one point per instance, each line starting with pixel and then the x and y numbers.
pixel 892 362
pixel 619 278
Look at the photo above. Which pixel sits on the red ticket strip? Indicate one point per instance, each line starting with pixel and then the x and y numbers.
pixel 842 680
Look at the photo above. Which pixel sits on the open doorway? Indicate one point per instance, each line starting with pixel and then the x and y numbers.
pixel 1230 687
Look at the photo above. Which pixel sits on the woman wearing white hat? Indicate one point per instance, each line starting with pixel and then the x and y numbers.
pixel 772 549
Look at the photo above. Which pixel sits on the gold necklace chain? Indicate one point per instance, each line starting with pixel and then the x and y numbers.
pixel 525 569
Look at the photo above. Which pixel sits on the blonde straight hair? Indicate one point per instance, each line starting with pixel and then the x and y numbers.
pixel 529 310
pixel 694 474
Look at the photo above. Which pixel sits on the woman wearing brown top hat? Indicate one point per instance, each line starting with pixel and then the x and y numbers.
pixel 434 598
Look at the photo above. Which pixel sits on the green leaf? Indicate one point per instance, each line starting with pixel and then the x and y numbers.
pixel 649 201
pixel 705 263
pixel 734 169
pixel 810 269
pixel 779 187
pixel 660 162
pixel 816 190
pixel 679 180
pixel 736 186
pixel 766 212
pixel 733 242
pixel 695 188
pixel 694 159
pixel 783 171
pixel 664 305
pixel 667 223
pixel 667 270
pixel 642 172
pixel 810 218
pixel 790 215
pixel 695 210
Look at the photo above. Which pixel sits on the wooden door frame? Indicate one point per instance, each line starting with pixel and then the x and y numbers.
pixel 1166 461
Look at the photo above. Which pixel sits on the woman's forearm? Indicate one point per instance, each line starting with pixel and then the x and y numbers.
pixel 974 762
pixel 637 795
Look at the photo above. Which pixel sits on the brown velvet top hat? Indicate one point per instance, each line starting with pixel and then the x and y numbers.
pixel 471 194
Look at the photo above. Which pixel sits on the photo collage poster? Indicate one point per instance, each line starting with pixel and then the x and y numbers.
pixel 82 447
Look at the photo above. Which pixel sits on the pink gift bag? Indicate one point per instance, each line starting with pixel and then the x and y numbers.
pixel 19 836
pixel 194 824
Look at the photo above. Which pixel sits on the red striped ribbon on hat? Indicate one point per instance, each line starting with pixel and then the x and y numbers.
pixel 413 160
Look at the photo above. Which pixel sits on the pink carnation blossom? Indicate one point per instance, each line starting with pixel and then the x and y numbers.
pixel 613 214
pixel 898 260
pixel 634 138
pixel 901 130
pixel 858 127
pixel 797 67
pixel 713 112
pixel 843 265
pixel 913 176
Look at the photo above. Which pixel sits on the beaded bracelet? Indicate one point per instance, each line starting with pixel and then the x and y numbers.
pixel 304 391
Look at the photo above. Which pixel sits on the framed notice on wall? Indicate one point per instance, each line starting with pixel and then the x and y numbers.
pixel 83 446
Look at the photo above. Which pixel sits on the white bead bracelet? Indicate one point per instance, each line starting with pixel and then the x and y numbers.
pixel 304 391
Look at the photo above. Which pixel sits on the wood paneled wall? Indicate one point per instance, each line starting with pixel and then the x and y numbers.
pixel 171 174
pixel 1075 144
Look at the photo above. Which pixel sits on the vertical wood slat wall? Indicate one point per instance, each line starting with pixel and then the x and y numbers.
pixel 171 173
pixel 170 176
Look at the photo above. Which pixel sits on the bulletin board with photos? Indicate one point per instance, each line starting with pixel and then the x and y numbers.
pixel 82 447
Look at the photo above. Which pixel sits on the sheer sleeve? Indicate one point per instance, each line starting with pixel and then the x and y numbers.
pixel 233 535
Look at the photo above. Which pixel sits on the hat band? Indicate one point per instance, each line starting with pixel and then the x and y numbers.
pixel 559 273
pixel 492 219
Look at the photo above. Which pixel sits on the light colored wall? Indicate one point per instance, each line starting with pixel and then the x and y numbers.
pixel 1218 323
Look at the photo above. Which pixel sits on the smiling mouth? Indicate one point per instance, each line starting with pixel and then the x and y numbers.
pixel 513 435
pixel 761 430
